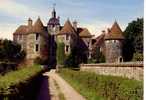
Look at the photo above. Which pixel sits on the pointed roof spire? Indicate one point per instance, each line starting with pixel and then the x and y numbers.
pixel 54 12
pixel 115 32
pixel 67 28
pixel 38 25
pixel 116 28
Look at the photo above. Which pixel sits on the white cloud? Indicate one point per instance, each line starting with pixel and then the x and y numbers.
pixel 23 11
pixel 19 10
pixel 97 27
pixel 6 30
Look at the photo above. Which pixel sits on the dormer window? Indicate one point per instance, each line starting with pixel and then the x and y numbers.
pixel 37 36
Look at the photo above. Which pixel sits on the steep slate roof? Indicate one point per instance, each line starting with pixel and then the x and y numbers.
pixel 85 33
pixel 115 32
pixel 23 29
pixel 67 28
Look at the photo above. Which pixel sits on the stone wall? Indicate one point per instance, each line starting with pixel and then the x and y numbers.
pixel 132 70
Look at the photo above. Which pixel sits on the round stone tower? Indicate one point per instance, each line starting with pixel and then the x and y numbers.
pixel 113 44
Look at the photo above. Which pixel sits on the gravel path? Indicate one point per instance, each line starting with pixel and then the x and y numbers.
pixel 49 91
pixel 65 88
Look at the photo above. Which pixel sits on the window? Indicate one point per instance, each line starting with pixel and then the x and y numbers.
pixel 67 47
pixel 36 47
pixel 115 41
pixel 37 36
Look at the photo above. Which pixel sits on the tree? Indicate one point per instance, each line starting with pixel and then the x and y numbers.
pixel 133 39
pixel 11 51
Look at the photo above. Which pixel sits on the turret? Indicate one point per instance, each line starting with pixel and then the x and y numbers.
pixel 113 43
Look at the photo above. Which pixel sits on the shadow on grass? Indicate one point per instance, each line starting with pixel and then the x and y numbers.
pixel 44 93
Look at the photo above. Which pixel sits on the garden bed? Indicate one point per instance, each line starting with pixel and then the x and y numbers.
pixel 102 87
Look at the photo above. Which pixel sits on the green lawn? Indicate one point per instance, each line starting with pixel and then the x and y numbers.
pixel 101 87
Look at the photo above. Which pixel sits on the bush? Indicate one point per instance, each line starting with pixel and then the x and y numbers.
pixel 138 57
pixel 99 87
pixel 7 66
pixel 21 84
pixel 41 61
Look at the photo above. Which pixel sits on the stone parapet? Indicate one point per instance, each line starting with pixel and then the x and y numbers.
pixel 131 70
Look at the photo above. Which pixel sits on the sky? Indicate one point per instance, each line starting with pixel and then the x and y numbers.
pixel 96 15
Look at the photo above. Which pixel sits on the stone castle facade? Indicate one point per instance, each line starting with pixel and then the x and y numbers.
pixel 40 41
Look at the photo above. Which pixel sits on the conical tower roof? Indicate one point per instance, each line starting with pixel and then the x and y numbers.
pixel 67 28
pixel 38 26
pixel 115 32
pixel 85 33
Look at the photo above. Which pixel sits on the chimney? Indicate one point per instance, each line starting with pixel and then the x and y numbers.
pixel 103 31
pixel 29 22
pixel 75 25
pixel 108 30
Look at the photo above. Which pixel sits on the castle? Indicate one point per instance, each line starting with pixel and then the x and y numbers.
pixel 40 41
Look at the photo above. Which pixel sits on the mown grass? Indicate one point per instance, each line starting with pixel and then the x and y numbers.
pixel 16 82
pixel 101 87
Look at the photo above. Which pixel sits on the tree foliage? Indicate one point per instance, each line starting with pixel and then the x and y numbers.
pixel 133 39
pixel 137 57
pixel 60 53
pixel 11 51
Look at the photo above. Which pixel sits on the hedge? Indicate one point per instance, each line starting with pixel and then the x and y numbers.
pixel 22 84
pixel 101 87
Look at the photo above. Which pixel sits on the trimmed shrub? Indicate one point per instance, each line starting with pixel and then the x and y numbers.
pixel 138 57
pixel 22 84
pixel 102 87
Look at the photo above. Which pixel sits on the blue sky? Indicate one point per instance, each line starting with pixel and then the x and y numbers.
pixel 96 15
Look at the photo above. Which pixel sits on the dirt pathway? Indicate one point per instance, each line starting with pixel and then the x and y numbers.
pixel 65 88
